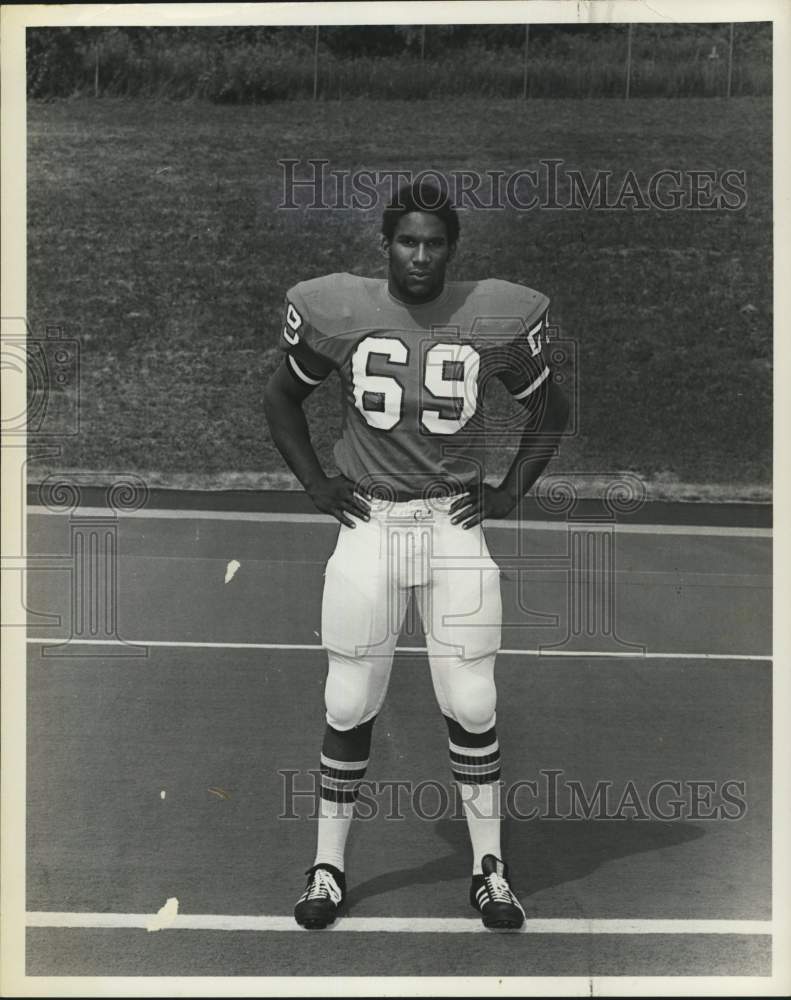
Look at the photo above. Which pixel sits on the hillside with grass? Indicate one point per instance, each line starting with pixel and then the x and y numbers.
pixel 155 240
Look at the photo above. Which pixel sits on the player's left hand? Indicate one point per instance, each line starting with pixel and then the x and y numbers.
pixel 475 506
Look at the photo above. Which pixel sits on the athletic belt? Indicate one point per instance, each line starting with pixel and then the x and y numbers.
pixel 420 509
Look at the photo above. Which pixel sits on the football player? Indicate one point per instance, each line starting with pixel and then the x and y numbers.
pixel 413 354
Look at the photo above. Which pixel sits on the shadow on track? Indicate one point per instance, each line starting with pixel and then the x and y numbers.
pixel 542 853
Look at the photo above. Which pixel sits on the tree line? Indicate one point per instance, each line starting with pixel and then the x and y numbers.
pixel 264 62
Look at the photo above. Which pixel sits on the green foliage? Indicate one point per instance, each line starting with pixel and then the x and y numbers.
pixel 259 64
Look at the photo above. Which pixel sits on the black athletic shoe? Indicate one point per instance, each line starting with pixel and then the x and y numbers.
pixel 324 893
pixel 491 895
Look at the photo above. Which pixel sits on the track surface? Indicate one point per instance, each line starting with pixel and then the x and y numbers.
pixel 160 775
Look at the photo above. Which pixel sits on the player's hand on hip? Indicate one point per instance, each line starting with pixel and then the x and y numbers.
pixel 486 502
pixel 338 496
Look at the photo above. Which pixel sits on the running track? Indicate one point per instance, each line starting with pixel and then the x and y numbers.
pixel 155 776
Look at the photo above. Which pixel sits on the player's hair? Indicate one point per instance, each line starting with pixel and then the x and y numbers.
pixel 421 196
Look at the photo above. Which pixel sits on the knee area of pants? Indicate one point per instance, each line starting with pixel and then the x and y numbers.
pixel 343 719
pixel 345 693
pixel 344 711
pixel 473 705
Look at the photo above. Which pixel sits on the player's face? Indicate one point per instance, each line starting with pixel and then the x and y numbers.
pixel 418 253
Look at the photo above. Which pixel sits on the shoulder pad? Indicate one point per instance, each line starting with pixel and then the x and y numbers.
pixel 330 302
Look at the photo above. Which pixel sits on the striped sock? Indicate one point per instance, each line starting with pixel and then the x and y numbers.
pixel 475 764
pixel 344 759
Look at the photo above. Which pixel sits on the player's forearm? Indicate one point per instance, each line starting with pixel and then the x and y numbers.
pixel 291 436
pixel 536 449
pixel 526 468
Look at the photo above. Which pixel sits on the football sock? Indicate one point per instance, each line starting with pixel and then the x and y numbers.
pixel 344 759
pixel 482 811
pixel 475 764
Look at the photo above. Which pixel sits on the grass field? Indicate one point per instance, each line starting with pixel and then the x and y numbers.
pixel 154 240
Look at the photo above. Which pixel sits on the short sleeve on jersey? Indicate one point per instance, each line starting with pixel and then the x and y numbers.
pixel 527 368
pixel 299 341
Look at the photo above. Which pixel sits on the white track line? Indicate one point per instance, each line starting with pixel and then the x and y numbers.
pixel 400 925
pixel 313 647
pixel 228 515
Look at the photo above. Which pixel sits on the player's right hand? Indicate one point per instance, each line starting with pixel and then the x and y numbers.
pixel 338 496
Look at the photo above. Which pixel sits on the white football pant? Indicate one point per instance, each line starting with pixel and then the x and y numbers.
pixel 368 579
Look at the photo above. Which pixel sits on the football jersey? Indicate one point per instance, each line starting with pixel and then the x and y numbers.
pixel 413 375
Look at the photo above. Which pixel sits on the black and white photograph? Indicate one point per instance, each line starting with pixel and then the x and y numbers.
pixel 391 435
